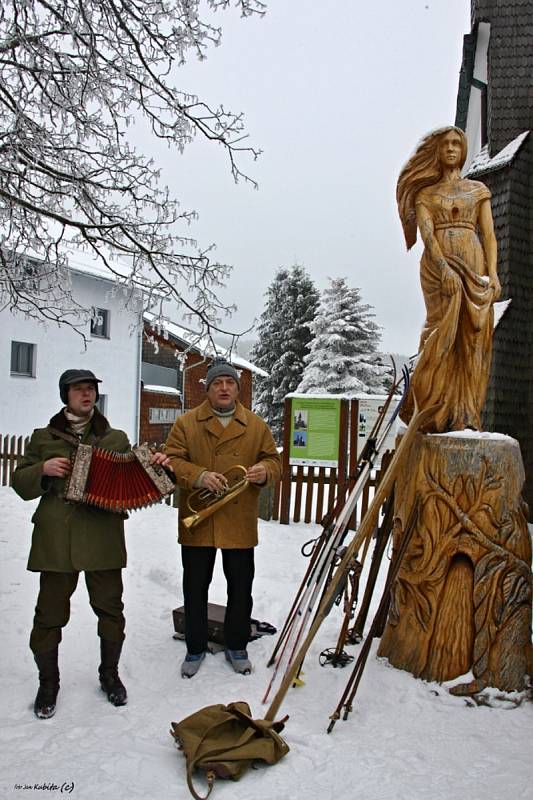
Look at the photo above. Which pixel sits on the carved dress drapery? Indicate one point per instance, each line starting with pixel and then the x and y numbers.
pixel 456 342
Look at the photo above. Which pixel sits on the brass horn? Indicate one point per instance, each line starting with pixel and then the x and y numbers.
pixel 202 502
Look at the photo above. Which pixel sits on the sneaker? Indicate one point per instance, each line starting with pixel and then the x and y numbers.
pixel 239 661
pixel 191 664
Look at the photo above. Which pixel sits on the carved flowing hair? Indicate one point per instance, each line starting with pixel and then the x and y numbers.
pixel 424 168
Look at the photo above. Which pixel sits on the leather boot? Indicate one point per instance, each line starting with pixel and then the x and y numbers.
pixel 45 700
pixel 108 673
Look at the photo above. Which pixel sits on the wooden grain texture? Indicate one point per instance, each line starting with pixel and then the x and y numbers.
pixel 462 599
pixel 459 280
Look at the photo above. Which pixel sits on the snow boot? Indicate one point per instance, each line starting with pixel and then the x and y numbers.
pixel 239 661
pixel 108 673
pixel 45 700
pixel 191 664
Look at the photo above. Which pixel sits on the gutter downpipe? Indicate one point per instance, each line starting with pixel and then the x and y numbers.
pixel 139 373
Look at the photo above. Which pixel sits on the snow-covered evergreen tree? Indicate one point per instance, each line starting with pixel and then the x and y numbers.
pixel 344 357
pixel 284 336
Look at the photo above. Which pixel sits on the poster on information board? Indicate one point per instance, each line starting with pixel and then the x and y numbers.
pixel 369 408
pixel 315 431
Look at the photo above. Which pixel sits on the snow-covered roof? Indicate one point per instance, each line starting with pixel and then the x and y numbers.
pixel 83 262
pixel 204 346
pixel 316 396
pixel 363 396
pixel 243 363
pixel 483 163
pixel 499 310
pixel 152 387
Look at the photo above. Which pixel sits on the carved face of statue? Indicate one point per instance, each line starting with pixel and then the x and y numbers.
pixel 451 149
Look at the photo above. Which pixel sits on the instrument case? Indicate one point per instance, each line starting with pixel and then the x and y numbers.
pixel 215 624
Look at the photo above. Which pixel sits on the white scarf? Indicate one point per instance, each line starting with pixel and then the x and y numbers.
pixel 77 424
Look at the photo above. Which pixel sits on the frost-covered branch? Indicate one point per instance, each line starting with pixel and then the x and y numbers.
pixel 74 74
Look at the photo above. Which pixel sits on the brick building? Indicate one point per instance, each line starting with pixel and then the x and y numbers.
pixel 172 379
pixel 495 109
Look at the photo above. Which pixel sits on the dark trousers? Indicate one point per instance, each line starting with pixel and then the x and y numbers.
pixel 238 565
pixel 52 611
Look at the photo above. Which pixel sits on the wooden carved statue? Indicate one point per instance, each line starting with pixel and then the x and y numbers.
pixel 458 277
pixel 462 599
pixel 461 604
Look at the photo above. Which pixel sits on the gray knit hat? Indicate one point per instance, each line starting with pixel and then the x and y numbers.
pixel 218 368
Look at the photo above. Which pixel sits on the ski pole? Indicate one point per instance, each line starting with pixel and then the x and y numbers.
pixel 387 481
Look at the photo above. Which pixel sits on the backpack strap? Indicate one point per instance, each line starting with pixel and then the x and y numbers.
pixel 68 437
pixel 191 764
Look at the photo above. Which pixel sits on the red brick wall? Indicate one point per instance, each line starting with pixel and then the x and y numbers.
pixel 156 434
pixel 245 395
pixel 194 389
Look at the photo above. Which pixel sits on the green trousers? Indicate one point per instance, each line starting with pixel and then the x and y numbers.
pixel 52 611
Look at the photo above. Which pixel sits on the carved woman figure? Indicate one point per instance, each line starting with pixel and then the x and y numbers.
pixel 458 277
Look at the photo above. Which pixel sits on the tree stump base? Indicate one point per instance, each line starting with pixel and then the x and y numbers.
pixel 462 599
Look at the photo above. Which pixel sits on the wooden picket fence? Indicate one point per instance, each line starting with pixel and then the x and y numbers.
pixel 316 489
pixel 11 449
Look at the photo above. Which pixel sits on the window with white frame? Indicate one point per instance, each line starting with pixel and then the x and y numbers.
pixel 23 359
pixel 100 323
pixel 101 404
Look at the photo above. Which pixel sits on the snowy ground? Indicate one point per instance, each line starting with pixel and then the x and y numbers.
pixel 406 739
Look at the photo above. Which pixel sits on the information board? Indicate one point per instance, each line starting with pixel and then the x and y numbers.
pixel 315 431
pixel 369 408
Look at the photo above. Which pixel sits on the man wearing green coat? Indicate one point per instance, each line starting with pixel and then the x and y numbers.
pixel 69 539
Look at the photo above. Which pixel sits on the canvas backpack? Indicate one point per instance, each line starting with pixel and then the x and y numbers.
pixel 224 741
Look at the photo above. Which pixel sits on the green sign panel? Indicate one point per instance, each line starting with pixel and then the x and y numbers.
pixel 315 427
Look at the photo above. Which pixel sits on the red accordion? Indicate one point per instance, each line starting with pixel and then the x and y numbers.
pixel 116 481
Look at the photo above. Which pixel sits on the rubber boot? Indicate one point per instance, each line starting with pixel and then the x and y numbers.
pixel 45 700
pixel 108 673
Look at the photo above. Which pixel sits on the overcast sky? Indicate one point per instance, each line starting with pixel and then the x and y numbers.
pixel 336 94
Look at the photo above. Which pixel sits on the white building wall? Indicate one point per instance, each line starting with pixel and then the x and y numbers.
pixel 29 402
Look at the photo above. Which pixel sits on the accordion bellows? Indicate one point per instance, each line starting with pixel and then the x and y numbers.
pixel 116 482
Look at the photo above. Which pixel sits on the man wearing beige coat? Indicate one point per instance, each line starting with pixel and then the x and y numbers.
pixel 203 444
